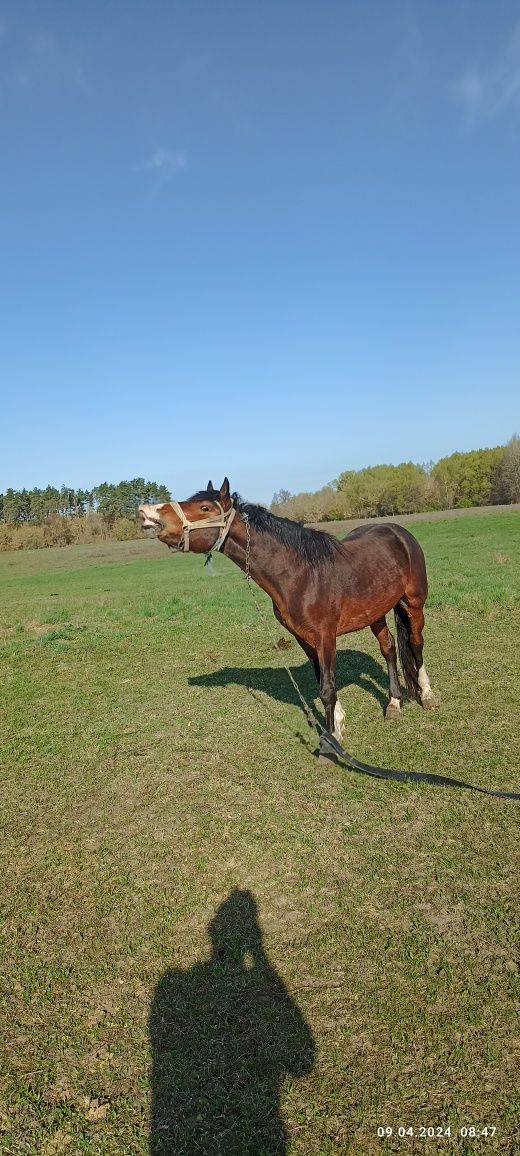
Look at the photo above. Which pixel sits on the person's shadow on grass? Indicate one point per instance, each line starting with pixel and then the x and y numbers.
pixel 222 1036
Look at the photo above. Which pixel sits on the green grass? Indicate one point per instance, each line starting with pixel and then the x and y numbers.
pixel 475 562
pixel 192 904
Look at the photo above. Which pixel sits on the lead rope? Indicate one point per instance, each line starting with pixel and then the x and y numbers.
pixel 330 745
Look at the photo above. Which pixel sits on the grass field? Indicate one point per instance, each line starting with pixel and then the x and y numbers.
pixel 212 943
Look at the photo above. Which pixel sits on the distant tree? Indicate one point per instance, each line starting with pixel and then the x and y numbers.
pixel 379 490
pixel 323 506
pixel 12 506
pixel 24 505
pixel 51 501
pixel 408 487
pixel 84 501
pixel 106 501
pixel 281 497
pixel 141 492
pixel 508 479
pixel 67 502
pixel 467 479
pixel 122 500
pixel 36 506
pixel 445 474
pixel 361 491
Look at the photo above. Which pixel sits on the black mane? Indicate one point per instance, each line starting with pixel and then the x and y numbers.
pixel 314 546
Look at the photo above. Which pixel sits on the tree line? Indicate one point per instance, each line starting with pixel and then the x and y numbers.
pixel 56 517
pixel 476 478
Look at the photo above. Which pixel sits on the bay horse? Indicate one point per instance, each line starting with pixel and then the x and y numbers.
pixel 320 586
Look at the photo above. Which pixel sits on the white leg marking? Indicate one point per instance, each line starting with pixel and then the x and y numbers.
pixel 339 719
pixel 395 702
pixel 424 684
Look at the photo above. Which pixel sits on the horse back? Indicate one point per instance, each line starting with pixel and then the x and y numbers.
pixel 384 535
pixel 387 533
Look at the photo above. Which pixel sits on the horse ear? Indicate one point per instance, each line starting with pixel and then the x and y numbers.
pixel 210 485
pixel 224 489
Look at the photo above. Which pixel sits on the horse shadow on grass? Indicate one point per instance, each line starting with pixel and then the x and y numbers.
pixel 223 1035
pixel 353 668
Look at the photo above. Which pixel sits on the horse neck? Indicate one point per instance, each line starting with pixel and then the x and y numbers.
pixel 268 558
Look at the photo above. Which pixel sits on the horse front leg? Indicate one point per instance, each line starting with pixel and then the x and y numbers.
pixel 323 658
pixel 311 655
pixel 334 713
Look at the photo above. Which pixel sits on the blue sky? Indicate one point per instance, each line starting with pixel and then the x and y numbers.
pixel 272 239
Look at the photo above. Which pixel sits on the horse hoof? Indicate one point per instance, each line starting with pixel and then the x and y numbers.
pixel 429 702
pixel 392 712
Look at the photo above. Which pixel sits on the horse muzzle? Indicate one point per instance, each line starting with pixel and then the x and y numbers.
pixel 150 519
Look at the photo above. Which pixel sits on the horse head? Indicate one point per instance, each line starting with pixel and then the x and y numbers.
pixel 207 511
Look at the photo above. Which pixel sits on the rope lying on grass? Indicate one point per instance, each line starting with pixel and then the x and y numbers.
pixel 329 746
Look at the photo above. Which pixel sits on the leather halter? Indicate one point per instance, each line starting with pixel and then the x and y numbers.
pixel 222 523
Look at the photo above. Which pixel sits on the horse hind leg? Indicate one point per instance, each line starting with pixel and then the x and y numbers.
pixel 409 619
pixel 387 646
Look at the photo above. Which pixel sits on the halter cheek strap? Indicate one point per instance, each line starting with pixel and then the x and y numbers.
pixel 222 523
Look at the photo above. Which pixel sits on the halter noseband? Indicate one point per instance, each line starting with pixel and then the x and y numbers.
pixel 223 523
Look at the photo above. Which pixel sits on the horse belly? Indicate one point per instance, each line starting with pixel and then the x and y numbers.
pixel 356 613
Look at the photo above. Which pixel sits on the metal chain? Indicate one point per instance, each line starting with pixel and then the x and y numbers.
pixel 309 713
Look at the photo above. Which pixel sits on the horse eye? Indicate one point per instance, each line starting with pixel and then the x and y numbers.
pixel 205 508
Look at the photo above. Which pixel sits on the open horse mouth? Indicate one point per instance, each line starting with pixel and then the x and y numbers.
pixel 150 519
pixel 153 523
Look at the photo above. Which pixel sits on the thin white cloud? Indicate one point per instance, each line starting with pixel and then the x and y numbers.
pixel 40 62
pixel 167 161
pixel 486 92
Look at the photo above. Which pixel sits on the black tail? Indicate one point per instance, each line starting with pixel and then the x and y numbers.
pixel 406 654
